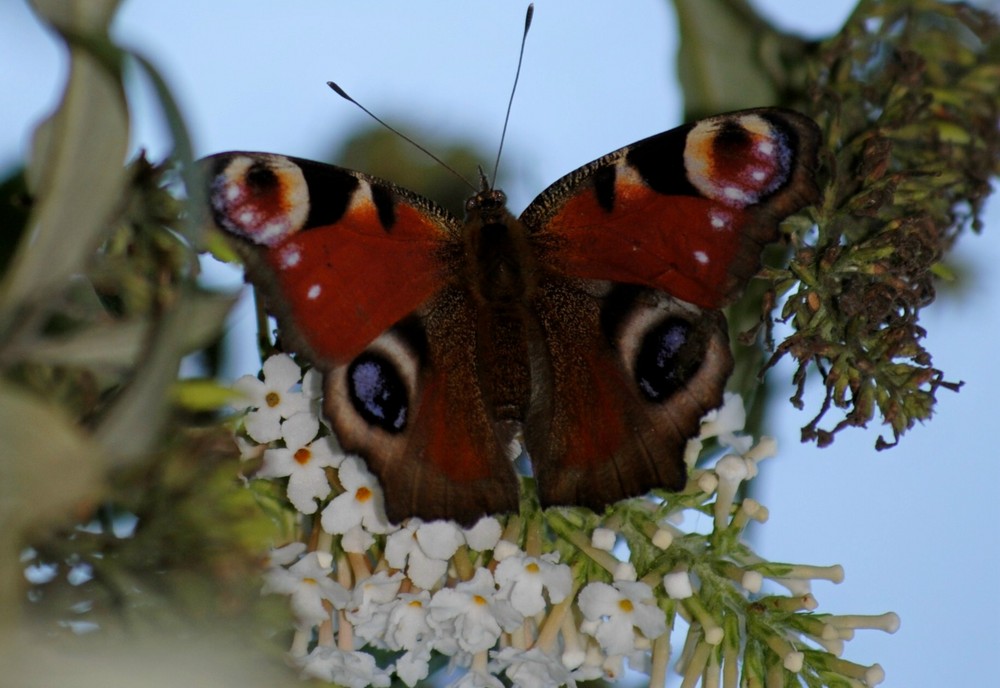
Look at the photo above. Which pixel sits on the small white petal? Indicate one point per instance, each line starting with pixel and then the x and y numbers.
pixel 603 538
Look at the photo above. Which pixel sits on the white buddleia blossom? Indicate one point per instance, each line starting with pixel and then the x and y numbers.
pixel 272 398
pixel 348 669
pixel 470 617
pixel 531 668
pixel 309 585
pixel 618 610
pixel 303 460
pixel 360 503
pixel 540 598
pixel 522 579
pixel 423 550
pixel 371 604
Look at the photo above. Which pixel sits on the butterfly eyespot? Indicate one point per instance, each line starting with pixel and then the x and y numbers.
pixel 263 199
pixel 738 160
pixel 377 392
pixel 668 357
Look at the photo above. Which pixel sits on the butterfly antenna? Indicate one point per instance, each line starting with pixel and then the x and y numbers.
pixel 343 94
pixel 517 75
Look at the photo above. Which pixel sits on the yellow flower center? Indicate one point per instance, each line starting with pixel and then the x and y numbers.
pixel 479 599
pixel 416 604
pixel 625 606
pixel 532 567
pixel 272 399
pixel 363 494
pixel 303 455
pixel 310 581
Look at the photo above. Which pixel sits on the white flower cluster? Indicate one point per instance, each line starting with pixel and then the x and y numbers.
pixel 543 600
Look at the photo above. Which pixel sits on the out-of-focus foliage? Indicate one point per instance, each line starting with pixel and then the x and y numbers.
pixel 906 95
pixel 121 505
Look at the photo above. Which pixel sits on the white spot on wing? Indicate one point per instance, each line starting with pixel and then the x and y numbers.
pixel 290 256
pixel 273 231
pixel 735 194
pixel 313 292
pixel 718 220
pixel 701 257
pixel 765 148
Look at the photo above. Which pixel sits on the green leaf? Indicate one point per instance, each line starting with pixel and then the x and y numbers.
pixel 133 424
pixel 730 58
pixel 49 466
pixel 76 172
pixel 202 395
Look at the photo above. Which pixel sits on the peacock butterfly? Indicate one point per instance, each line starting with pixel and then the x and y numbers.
pixel 590 327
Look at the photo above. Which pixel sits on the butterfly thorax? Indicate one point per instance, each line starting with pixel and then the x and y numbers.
pixel 499 263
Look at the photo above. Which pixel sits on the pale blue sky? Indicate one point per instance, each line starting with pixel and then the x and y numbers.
pixel 915 527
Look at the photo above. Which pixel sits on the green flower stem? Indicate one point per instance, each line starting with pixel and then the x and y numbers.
pixel 788 604
pixel 826 662
pixel 711 629
pixel 660 659
pixel 463 563
pixel 320 541
pixel 791 659
pixel 565 530
pixel 731 652
pixel 777 571
pixel 713 672
pixel 512 531
pixel 533 536
pixel 750 509
pixel 888 622
pixel 549 627
pixel 694 668
pixel 359 566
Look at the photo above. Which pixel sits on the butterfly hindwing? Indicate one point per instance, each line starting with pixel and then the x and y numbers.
pixel 687 211
pixel 412 404
pixel 628 378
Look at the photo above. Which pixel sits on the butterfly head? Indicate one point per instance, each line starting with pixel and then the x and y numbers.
pixel 488 206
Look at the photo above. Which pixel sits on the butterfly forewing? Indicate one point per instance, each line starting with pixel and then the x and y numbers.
pixel 687 211
pixel 339 255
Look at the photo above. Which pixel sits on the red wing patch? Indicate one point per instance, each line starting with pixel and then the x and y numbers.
pixel 683 245
pixel 344 284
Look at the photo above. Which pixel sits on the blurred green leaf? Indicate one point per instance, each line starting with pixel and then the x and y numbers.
pixel 89 16
pixel 730 58
pixel 202 395
pixel 49 465
pixel 76 173
pixel 131 426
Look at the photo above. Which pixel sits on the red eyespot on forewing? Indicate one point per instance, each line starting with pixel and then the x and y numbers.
pixel 737 161
pixel 261 198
